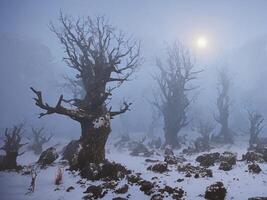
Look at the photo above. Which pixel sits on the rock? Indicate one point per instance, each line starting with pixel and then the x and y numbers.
pixel 122 190
pixel 70 189
pixel 225 166
pixel 146 187
pixel 189 169
pixel 113 171
pixel 228 157
pixel 173 160
pixel 215 191
pixel 207 160
pixel 157 197
pixel 48 156
pixel 254 168
pixel 257 198
pixel 167 189
pixel 106 171
pixel 119 198
pixel 70 150
pixel 151 161
pixel 110 185
pixel 252 156
pixel 133 178
pixel 180 180
pixel 188 175
pixel 159 167
pixel 177 193
pixel 262 149
pixel 95 191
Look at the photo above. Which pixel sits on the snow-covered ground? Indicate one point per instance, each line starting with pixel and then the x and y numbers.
pixel 240 184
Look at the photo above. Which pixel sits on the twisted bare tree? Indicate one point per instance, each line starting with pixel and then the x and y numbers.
pixel 38 139
pixel 174 82
pixel 103 59
pixel 12 145
pixel 255 127
pixel 223 105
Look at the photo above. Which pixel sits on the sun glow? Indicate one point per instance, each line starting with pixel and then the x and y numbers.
pixel 201 42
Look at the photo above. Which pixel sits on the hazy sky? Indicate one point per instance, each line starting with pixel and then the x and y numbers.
pixel 225 23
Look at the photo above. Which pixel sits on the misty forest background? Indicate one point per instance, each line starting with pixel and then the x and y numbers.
pixel 30 55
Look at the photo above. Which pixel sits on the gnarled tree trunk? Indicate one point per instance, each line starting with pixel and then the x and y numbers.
pixel 11 160
pixel 93 141
pixel 170 133
pixel 100 55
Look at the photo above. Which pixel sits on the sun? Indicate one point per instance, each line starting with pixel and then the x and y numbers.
pixel 201 42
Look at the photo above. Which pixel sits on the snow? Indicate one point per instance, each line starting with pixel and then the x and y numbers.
pixel 102 121
pixel 240 184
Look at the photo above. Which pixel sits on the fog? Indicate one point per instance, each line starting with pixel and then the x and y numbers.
pixel 30 55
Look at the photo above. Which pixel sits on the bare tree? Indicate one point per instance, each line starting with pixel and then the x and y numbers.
pixel 12 145
pixel 38 140
pixel 174 84
pixel 102 57
pixel 223 106
pixel 255 127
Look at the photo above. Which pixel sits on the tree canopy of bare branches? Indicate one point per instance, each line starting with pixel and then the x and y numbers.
pixel 103 58
pixel 174 82
pixel 38 140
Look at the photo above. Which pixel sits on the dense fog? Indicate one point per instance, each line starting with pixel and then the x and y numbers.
pixel 123 99
pixel 32 56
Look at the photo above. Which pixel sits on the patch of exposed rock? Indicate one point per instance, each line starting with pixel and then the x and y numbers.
pixel 252 156
pixel 173 160
pixel 216 191
pixel 48 156
pixel 209 159
pixel 254 168
pixel 106 171
pixel 94 192
pixel 197 171
pixel 159 167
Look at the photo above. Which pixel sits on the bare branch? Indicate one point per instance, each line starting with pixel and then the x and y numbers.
pixel 123 109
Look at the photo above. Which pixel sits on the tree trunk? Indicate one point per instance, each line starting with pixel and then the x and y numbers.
pixel 10 160
pixel 171 135
pixel 225 132
pixel 93 141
